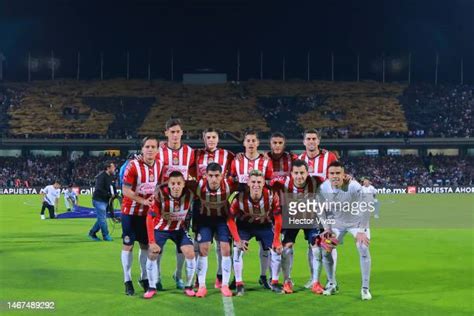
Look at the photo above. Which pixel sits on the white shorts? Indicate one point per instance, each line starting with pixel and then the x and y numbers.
pixel 341 232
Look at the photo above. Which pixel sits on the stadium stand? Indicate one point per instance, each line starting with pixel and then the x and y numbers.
pixel 127 109
pixel 439 111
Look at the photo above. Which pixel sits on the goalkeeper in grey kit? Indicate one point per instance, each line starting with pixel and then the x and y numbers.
pixel 350 210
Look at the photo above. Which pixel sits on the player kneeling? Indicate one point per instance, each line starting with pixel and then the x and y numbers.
pixel 355 221
pixel 254 210
pixel 167 220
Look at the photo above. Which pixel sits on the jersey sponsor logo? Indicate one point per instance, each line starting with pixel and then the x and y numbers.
pixel 213 204
pixel 146 188
pixel 202 169
pixel 244 178
pixel 175 216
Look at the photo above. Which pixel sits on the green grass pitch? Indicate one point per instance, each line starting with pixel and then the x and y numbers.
pixel 422 263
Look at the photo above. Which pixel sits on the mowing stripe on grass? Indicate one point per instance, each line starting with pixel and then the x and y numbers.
pixel 228 306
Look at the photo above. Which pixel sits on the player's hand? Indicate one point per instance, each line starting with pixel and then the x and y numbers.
pixel 139 158
pixel 277 247
pixel 239 156
pixel 363 239
pixel 149 201
pixel 154 248
pixel 242 245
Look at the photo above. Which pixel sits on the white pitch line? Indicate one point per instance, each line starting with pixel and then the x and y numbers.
pixel 228 306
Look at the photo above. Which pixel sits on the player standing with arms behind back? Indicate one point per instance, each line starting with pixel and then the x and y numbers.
pixel 176 156
pixel 318 160
pixel 139 182
pixel 213 154
pixel 242 165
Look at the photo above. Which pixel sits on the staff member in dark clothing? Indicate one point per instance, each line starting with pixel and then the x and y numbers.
pixel 104 190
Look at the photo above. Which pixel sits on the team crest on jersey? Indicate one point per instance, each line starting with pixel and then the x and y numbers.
pixel 310 169
pixel 210 159
pixel 152 178
pixel 175 161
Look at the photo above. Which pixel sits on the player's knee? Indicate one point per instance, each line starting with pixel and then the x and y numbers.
pixel 188 251
pixel 153 256
pixel 225 249
pixel 204 249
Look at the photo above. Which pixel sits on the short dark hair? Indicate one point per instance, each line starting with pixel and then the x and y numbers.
pixel 147 138
pixel 107 164
pixel 173 122
pixel 312 131
pixel 299 163
pixel 214 166
pixel 278 134
pixel 210 130
pixel 251 132
pixel 336 163
pixel 176 174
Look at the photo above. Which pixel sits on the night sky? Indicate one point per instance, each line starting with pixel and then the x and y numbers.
pixel 209 33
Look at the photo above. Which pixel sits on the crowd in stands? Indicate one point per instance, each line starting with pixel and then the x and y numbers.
pixel 126 109
pixel 441 111
pixel 401 171
pixel 41 171
pixel 383 171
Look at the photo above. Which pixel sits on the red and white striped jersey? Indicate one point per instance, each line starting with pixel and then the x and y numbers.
pixel 221 156
pixel 281 165
pixel 286 188
pixel 169 213
pixel 287 185
pixel 143 180
pixel 318 165
pixel 241 167
pixel 181 160
pixel 214 202
pixel 256 212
